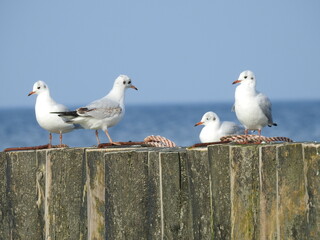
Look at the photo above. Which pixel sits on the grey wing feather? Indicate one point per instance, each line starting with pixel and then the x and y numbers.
pixel 230 128
pixel 103 108
pixel 265 106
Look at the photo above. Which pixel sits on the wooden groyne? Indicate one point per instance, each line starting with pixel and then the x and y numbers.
pixel 220 192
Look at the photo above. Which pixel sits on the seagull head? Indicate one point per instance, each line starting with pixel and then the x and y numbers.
pixel 246 77
pixel 209 118
pixel 124 81
pixel 39 87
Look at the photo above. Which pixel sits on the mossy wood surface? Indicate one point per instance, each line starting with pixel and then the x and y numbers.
pixel 235 192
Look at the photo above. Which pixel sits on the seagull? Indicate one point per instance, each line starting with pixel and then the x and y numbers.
pixel 103 113
pixel 253 109
pixel 44 105
pixel 214 129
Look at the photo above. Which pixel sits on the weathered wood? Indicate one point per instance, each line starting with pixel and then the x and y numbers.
pixel 267 191
pixel 312 179
pixel 219 162
pixel 47 146
pixel 5 202
pixel 200 193
pixel 41 157
pixel 269 198
pixel 154 203
pixel 292 193
pixel 23 211
pixel 96 194
pixel 186 220
pixel 169 177
pixel 244 179
pixel 65 195
pixel 164 195
pixel 126 195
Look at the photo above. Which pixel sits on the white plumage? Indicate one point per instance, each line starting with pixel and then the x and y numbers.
pixel 43 108
pixel 253 109
pixel 214 129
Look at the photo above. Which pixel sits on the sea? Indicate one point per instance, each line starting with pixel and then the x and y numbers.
pixel 298 120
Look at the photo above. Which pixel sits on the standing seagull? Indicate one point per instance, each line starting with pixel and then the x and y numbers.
pixel 214 129
pixel 103 113
pixel 44 105
pixel 253 109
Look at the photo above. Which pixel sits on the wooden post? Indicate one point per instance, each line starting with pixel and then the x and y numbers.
pixel 267 191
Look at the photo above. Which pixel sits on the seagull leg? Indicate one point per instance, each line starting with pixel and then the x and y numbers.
pixel 61 145
pixel 246 132
pixel 97 137
pixel 107 133
pixel 110 140
pixel 60 137
pixel 259 133
pixel 50 140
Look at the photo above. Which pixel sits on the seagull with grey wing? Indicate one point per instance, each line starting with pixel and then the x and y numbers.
pixel 253 109
pixel 103 113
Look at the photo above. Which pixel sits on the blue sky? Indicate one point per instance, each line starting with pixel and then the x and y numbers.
pixel 174 51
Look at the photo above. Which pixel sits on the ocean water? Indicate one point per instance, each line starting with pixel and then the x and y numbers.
pixel 298 120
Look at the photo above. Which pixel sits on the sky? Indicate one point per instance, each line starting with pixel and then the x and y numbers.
pixel 179 51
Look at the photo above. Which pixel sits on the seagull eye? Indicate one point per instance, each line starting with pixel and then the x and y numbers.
pixel 251 78
pixel 38 87
pixel 124 82
pixel 129 82
pixel 214 119
pixel 245 77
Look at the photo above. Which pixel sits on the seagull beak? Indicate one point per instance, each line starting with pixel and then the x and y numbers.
pixel 30 93
pixel 133 87
pixel 199 123
pixel 236 81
